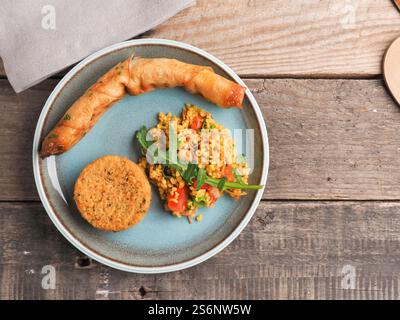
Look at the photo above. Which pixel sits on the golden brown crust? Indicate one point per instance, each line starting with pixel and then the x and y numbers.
pixel 217 89
pixel 137 76
pixel 112 193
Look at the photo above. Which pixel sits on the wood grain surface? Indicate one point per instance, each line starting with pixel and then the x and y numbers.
pixel 329 139
pixel 274 38
pixel 290 250
pixel 332 202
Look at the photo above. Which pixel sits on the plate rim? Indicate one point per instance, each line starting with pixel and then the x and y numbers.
pixel 108 261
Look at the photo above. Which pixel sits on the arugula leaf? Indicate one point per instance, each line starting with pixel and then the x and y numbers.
pixel 201 178
pixel 190 173
pixel 221 184
pixel 199 204
pixel 177 167
pixel 232 185
pixel 141 137
pixel 192 170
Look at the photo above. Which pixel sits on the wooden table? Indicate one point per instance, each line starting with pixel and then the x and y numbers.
pixel 329 223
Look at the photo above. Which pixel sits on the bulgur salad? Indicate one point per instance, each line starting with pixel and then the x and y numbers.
pixel 192 161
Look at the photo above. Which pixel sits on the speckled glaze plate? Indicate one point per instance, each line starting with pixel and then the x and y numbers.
pixel 161 242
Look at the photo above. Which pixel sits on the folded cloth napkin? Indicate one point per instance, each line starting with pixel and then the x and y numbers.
pixel 39 38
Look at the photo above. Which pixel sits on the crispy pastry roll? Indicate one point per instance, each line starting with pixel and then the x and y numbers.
pixel 137 76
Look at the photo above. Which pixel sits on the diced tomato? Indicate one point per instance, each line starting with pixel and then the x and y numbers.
pixel 181 205
pixel 228 173
pixel 197 123
pixel 205 186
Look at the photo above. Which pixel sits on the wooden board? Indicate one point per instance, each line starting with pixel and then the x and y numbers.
pixel 295 250
pixel 2 71
pixel 318 38
pixel 329 139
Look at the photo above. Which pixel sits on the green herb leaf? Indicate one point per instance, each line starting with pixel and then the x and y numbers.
pixel 141 137
pixel 177 167
pixel 221 184
pixel 199 204
pixel 201 178
pixel 67 117
pixel 190 173
pixel 191 170
pixel 53 136
pixel 232 185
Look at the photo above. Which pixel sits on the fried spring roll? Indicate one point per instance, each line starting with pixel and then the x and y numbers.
pixel 137 76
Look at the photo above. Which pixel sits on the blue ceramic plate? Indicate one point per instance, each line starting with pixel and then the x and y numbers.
pixel 161 242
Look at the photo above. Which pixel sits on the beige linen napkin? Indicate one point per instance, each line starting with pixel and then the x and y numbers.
pixel 41 37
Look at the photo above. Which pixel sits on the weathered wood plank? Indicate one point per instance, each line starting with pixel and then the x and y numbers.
pixel 303 37
pixel 329 139
pixel 19 116
pixel 306 37
pixel 290 250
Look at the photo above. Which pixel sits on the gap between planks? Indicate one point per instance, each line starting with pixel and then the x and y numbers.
pixel 282 77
